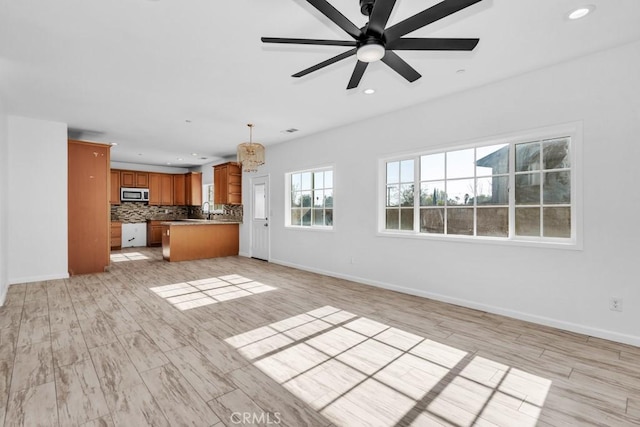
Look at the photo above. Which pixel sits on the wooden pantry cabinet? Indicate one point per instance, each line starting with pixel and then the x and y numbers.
pixel 88 207
pixel 227 184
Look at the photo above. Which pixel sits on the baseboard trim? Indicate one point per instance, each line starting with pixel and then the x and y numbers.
pixel 30 279
pixel 3 295
pixel 528 317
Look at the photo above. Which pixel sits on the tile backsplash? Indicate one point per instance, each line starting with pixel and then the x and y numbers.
pixel 231 212
pixel 132 212
pixel 129 212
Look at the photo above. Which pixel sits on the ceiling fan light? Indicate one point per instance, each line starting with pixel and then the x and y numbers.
pixel 370 52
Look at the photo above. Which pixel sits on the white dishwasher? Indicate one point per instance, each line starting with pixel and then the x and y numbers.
pixel 134 234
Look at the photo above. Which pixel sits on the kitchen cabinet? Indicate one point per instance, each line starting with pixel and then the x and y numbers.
pixel 160 189
pixel 166 190
pixel 116 235
pixel 114 192
pixel 154 232
pixel 179 190
pixel 88 207
pixel 183 241
pixel 134 179
pixel 193 188
pixel 227 184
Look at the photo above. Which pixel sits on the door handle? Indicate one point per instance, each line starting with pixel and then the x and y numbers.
pixel 266 225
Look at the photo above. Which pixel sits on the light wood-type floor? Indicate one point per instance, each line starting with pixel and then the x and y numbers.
pixel 235 341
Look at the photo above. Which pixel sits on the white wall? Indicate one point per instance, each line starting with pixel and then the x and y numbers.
pixel 4 194
pixel 37 214
pixel 565 288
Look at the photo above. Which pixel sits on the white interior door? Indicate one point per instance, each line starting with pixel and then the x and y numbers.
pixel 259 217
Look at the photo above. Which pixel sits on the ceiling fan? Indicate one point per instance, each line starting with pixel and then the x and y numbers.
pixel 375 42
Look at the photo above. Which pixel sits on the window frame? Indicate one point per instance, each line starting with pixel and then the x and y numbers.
pixel 571 130
pixel 287 201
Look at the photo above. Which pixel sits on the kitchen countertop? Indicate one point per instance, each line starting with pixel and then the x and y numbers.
pixel 200 222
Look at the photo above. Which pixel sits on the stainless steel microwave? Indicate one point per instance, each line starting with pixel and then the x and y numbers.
pixel 134 194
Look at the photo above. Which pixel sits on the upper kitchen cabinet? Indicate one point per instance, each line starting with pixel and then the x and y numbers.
pixel 114 192
pixel 227 184
pixel 166 189
pixel 179 190
pixel 160 189
pixel 193 188
pixel 88 207
pixel 134 179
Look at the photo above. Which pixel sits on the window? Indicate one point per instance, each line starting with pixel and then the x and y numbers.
pixel 311 198
pixel 521 189
pixel 207 198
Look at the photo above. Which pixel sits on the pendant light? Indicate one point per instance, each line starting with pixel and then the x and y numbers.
pixel 250 154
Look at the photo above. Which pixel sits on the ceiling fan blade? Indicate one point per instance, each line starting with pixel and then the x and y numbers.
pixel 380 16
pixel 400 66
pixel 325 63
pixel 357 74
pixel 338 18
pixel 309 41
pixel 432 44
pixel 428 16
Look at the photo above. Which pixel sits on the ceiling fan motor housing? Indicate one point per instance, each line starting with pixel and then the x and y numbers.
pixel 366 6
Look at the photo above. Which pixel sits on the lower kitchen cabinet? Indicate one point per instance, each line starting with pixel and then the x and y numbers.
pixel 116 235
pixel 154 232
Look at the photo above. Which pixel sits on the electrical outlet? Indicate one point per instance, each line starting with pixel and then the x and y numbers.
pixel 615 304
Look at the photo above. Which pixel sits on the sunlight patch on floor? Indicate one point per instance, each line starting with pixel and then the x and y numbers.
pixel 357 371
pixel 198 293
pixel 127 256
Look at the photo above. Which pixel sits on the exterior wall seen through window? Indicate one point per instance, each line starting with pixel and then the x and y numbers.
pixel 509 190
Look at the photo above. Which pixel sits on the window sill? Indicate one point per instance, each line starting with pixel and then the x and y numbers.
pixel 562 244
pixel 306 228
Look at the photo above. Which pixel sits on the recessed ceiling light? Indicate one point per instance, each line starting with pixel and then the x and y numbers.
pixel 580 12
pixel 168 163
pixel 179 158
pixel 461 71
pixel 114 144
pixel 369 91
pixel 194 154
pixel 187 121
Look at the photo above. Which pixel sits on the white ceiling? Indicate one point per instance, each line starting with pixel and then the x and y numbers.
pixel 133 71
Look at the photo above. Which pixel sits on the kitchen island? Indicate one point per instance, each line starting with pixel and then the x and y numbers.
pixel 190 239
